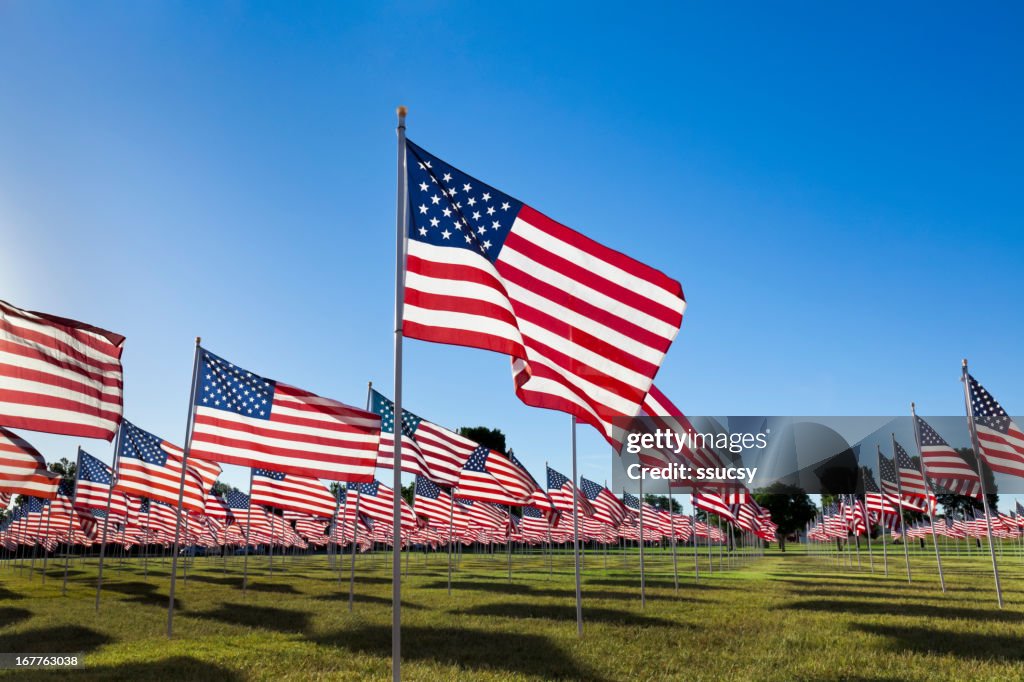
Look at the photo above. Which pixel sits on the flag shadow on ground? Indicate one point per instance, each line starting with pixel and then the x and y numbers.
pixel 523 654
pixel 262 617
pixel 6 594
pixel 567 613
pixel 181 667
pixel 928 641
pixel 872 608
pixel 10 615
pixel 236 581
pixel 146 594
pixel 61 639
pixel 366 599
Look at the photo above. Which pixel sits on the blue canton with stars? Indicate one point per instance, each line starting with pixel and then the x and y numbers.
pixel 477 460
pixel 986 410
pixel 139 444
pixel 93 470
pixel 367 488
pixel 449 208
pixel 386 409
pixel 556 480
pixel 427 488
pixel 236 499
pixel 266 473
pixel 224 386
pixel 590 489
pixel 632 501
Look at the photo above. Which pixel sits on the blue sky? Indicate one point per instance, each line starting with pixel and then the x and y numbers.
pixel 836 187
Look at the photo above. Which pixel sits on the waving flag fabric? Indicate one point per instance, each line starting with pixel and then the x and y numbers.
pixel 562 492
pixel 376 501
pixel 888 475
pixel 148 466
pixel 94 480
pixel 943 464
pixel 291 492
pixel 427 449
pixel 23 470
pixel 911 480
pixel 607 508
pixel 663 414
pixel 490 476
pixel 586 327
pixel 432 502
pixel 483 514
pixel 245 419
pixel 1001 440
pixel 58 375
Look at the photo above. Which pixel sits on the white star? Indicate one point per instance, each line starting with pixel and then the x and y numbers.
pixel 476 215
pixel 487 245
pixel 435 200
pixel 505 206
pixel 468 239
pixel 467 187
pixel 424 187
pixel 423 209
pixel 487 196
pixel 490 210
pixel 434 222
pixel 447 177
pixel 495 225
pixel 446 234
pixel 481 230
pixel 447 212
pixel 471 201
pixel 423 232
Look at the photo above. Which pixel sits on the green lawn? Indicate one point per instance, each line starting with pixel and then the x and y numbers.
pixel 792 616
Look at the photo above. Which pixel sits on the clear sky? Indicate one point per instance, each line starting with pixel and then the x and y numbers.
pixel 837 187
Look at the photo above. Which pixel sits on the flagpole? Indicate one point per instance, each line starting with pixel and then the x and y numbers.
pixel 867 533
pixel 928 489
pixel 71 517
pixel 396 550
pixel 248 536
pixel 899 493
pixel 106 519
pixel 576 534
pixel 643 591
pixel 693 529
pixel 181 489
pixel 672 522
pixel 981 475
pixel 881 513
pixel 272 515
pixel 355 535
pixel 451 525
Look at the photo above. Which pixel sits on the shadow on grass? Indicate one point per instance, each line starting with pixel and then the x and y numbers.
pixel 236 581
pixel 903 609
pixel 567 613
pixel 366 599
pixel 7 594
pixel 10 615
pixel 480 586
pixel 927 641
pixel 55 640
pixel 265 617
pixel 180 667
pixel 634 583
pixel 524 654
pixel 147 594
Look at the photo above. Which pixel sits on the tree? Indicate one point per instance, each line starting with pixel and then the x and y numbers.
pixel 489 438
pixel 66 468
pixel 220 487
pixel 662 502
pixel 790 507
pixel 964 504
pixel 408 491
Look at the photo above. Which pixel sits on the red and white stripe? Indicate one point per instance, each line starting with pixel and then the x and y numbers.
pixel 162 483
pixel 23 470
pixel 59 375
pixel 436 453
pixel 294 493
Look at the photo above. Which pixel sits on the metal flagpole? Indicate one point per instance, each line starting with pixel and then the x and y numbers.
pixel 643 591
pixel 272 515
pixel 981 475
pixel 106 519
pixel 899 493
pixel 181 489
pixel 693 529
pixel 928 501
pixel 333 538
pixel 868 524
pixel 508 544
pixel 248 536
pixel 576 534
pixel 451 532
pixel 675 560
pixel 352 566
pixel 881 513
pixel 396 551
pixel 71 519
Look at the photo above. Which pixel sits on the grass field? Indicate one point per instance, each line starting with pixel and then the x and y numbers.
pixel 792 616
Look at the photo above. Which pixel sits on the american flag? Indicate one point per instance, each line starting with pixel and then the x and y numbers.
pixel 1000 439
pixel 291 492
pixel 887 474
pixel 660 413
pixel 23 470
pixel 911 480
pixel 427 449
pixel 942 463
pixel 490 476
pixel 713 503
pixel 376 501
pixel 432 502
pixel 308 527
pixel 607 508
pixel 148 466
pixel 245 419
pixel 217 508
pixel 483 514
pixel 58 375
pixel 561 492
pixel 586 326
pixel 94 480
